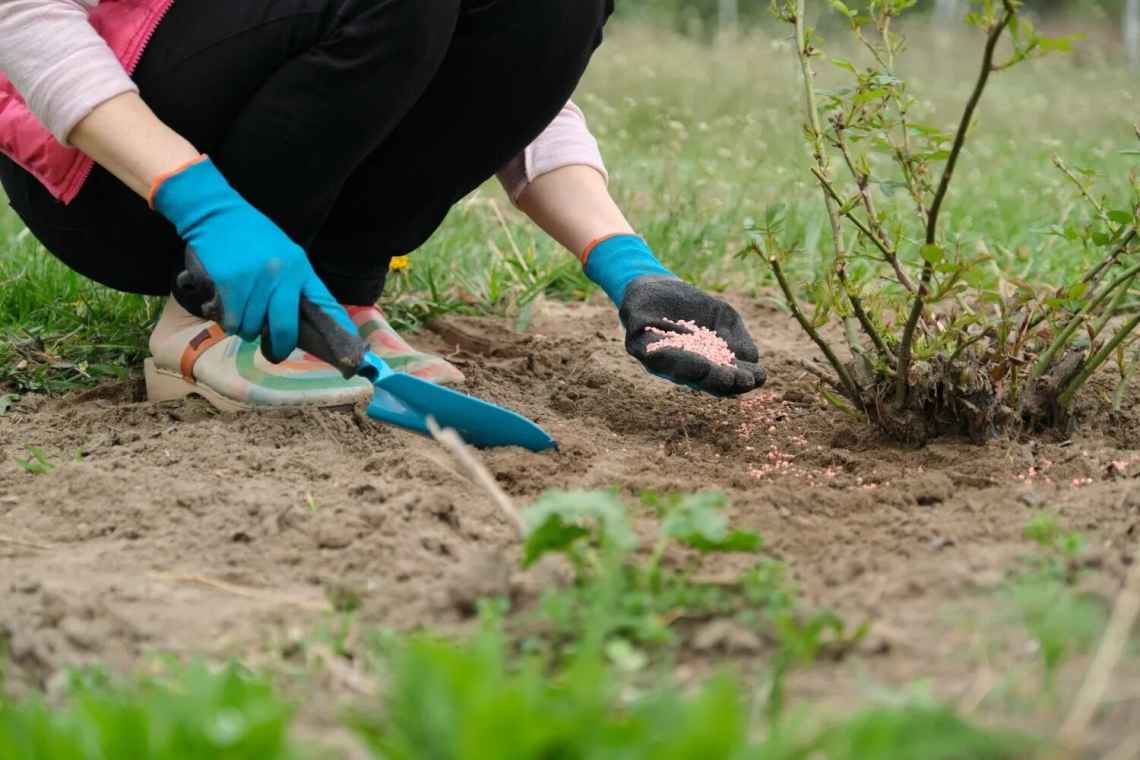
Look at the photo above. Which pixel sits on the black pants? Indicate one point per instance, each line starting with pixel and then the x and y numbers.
pixel 353 124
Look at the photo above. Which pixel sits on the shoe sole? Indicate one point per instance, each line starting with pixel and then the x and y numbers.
pixel 164 385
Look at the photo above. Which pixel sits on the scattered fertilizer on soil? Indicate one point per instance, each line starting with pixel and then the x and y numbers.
pixel 699 340
pixel 102 551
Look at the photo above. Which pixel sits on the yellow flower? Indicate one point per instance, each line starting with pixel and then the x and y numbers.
pixel 398 263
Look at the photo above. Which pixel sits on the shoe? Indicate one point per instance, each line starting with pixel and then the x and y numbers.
pixel 233 375
pixel 386 343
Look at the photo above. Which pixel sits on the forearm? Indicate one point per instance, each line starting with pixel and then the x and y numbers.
pixel 573 206
pixel 125 137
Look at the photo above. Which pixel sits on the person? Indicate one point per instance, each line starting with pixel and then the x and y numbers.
pixel 297 146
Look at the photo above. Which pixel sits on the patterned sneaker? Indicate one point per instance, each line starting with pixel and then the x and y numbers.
pixel 389 346
pixel 197 358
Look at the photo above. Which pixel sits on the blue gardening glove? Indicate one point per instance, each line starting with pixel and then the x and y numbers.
pixel 258 273
pixel 650 296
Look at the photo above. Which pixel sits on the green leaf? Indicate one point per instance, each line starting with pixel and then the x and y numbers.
pixel 932 253
pixel 840 6
pixel 37 463
pixel 559 519
pixel 696 521
pixel 1077 290
pixel 553 535
pixel 1130 152
pixel 1121 217
pixel 843 63
pixel 1101 238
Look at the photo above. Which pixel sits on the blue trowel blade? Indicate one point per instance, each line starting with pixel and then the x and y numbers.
pixel 408 401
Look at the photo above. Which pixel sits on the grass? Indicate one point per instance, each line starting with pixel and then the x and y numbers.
pixel 698 140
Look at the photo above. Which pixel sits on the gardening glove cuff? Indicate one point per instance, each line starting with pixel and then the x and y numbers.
pixel 616 261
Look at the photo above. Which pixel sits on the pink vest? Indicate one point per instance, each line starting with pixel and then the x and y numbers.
pixel 128 26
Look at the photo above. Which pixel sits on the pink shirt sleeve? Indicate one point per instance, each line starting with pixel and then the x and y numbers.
pixel 57 61
pixel 566 142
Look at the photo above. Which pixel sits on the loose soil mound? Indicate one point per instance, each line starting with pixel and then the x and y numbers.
pixel 180 529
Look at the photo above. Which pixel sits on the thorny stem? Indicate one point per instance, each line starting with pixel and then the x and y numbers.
pixel 1095 275
pixel 1045 360
pixel 844 377
pixel 864 320
pixel 881 244
pixel 820 153
pixel 1088 196
pixel 903 154
pixel 1112 310
pixel 907 343
pixel 1093 364
pixel 874 224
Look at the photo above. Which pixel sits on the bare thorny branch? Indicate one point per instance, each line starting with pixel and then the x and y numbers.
pixel 906 345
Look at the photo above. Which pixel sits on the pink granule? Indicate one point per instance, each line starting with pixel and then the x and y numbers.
pixel 699 340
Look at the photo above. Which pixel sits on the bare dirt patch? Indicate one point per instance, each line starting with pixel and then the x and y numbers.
pixel 173 528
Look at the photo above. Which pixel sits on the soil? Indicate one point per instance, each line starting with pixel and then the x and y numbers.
pixel 173 528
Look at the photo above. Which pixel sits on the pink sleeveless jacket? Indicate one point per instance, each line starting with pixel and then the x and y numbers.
pixel 127 26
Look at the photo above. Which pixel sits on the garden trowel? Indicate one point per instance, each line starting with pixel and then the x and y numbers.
pixel 398 399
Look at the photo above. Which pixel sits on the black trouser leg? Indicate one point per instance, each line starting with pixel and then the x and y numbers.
pixel 511 67
pixel 306 104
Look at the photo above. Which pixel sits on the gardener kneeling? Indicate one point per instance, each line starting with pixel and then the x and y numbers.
pixel 339 134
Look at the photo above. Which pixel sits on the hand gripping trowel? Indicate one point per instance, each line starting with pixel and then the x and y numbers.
pixel 398 399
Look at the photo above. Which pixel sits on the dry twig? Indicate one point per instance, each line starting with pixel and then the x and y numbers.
pixel 25 544
pixel 244 591
pixel 1116 636
pixel 451 441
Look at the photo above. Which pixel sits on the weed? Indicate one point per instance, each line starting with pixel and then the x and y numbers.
pixel 192 712
pixel 460 702
pixel 620 602
pixel 1060 619
pixel 615 595
pixel 36 463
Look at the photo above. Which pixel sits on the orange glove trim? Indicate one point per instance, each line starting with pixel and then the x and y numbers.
pixel 154 186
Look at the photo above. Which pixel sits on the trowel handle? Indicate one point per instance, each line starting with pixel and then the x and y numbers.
pixel 318 333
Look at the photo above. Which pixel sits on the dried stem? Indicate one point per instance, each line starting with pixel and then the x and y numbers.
pixel 24 544
pixel 451 441
pixel 849 385
pixel 245 592
pixel 907 343
pixel 1116 637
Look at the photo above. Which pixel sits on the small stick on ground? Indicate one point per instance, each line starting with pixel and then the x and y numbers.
pixel 25 544
pixel 243 591
pixel 451 441
pixel 1116 636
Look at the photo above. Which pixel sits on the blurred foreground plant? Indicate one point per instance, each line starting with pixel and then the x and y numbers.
pixel 941 340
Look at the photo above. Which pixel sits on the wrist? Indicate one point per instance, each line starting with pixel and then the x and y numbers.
pixel 190 194
pixel 614 262
pixel 162 177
